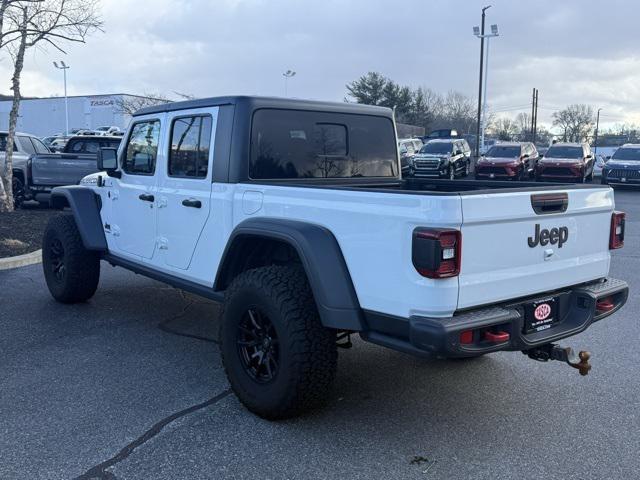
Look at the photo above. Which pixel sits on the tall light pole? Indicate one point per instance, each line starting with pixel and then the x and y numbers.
pixel 64 67
pixel 480 34
pixel 287 75
pixel 482 96
pixel 595 140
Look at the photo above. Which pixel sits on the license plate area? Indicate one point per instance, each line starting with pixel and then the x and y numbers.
pixel 540 315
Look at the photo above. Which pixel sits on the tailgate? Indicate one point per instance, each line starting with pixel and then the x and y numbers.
pixel 62 169
pixel 503 257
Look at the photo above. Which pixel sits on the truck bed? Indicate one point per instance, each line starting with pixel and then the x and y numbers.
pixel 431 186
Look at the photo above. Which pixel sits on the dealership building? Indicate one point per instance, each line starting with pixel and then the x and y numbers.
pixel 46 116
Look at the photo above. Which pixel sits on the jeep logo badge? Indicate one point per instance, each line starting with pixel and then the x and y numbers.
pixel 543 237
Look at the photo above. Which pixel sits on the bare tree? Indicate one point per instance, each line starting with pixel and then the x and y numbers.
pixel 505 128
pixel 39 23
pixel 130 104
pixel 576 122
pixel 523 120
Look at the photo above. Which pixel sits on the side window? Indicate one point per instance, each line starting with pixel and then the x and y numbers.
pixel 26 145
pixel 109 143
pixel 91 147
pixel 142 148
pixel 190 142
pixel 76 147
pixel 39 146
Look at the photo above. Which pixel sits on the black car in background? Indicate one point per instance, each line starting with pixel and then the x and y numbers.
pixel 440 133
pixel 623 168
pixel 446 158
pixel 408 148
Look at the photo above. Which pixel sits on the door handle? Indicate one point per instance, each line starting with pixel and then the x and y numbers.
pixel 146 197
pixel 192 203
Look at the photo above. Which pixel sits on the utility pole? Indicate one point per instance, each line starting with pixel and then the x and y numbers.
pixel 480 80
pixel 534 120
pixel 533 110
pixel 63 66
pixel 595 140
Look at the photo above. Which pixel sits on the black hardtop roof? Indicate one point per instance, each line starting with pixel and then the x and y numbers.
pixel 255 103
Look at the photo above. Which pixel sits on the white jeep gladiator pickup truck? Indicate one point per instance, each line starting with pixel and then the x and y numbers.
pixel 294 215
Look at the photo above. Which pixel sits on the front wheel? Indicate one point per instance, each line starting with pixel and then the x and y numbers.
pixel 279 359
pixel 71 271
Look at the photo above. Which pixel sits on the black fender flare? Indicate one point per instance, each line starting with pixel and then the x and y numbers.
pixel 85 205
pixel 321 258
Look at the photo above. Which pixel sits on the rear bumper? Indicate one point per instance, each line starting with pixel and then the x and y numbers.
pixel 441 337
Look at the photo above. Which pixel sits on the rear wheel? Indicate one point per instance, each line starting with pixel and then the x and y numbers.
pixel 71 271
pixel 17 185
pixel 279 359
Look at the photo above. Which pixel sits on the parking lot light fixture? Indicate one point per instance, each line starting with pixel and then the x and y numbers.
pixel 64 67
pixel 287 75
pixel 482 94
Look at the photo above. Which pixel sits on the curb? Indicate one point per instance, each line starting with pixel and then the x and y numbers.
pixel 21 260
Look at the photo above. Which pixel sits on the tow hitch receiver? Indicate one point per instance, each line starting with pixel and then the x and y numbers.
pixel 551 351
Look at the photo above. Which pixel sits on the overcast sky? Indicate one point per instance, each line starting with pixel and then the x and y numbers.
pixel 573 51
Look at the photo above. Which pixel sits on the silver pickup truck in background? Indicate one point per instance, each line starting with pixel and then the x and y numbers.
pixel 78 159
pixel 24 147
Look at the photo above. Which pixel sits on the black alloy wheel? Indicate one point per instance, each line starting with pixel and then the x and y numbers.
pixel 258 348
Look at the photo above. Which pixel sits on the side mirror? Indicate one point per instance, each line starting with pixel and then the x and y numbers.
pixel 526 155
pixel 541 155
pixel 108 161
pixel 607 158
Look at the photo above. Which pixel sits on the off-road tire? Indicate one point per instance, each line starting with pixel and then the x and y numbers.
pixel 17 187
pixel 81 267
pixel 307 350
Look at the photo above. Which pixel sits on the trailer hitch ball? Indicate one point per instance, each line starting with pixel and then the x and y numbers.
pixel 550 351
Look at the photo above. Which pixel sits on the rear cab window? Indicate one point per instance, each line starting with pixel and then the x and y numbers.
pixel 26 145
pixel 39 146
pixel 190 144
pixel 293 144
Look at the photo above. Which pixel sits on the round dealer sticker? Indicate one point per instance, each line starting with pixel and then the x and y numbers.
pixel 542 311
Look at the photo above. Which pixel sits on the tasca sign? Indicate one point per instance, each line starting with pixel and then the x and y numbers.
pixel 100 102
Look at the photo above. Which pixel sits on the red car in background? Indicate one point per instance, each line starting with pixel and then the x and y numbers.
pixel 508 161
pixel 566 162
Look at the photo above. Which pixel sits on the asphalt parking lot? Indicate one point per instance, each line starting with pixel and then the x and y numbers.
pixel 130 386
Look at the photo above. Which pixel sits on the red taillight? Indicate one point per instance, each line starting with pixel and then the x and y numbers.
pixel 616 237
pixel 436 252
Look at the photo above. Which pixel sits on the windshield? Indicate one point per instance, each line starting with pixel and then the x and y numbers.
pixel 564 152
pixel 504 152
pixel 632 154
pixel 436 147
